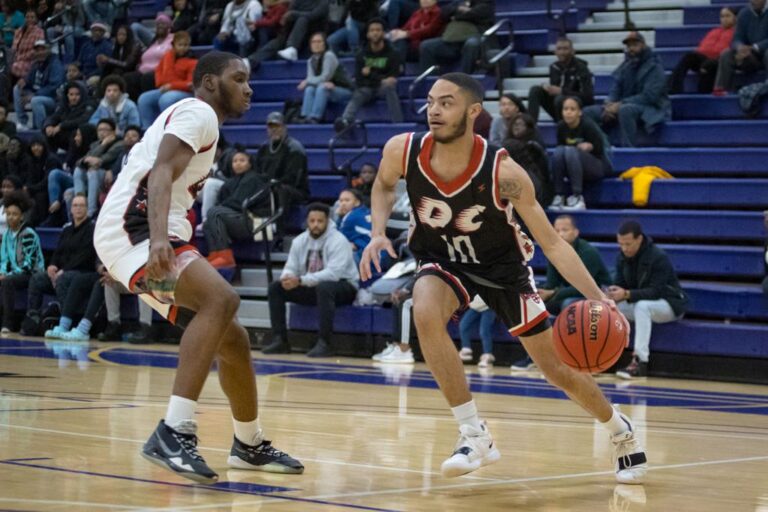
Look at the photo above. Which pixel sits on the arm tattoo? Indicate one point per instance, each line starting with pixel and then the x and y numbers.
pixel 510 188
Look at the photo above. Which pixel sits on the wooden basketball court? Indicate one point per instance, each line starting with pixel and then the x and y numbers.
pixel 73 417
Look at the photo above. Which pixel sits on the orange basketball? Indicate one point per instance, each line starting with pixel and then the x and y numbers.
pixel 589 336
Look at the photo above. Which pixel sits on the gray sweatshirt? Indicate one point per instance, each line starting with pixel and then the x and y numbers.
pixel 330 63
pixel 332 248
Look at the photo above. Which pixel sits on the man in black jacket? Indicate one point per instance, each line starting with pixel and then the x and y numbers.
pixel 646 291
pixel 568 76
pixel 377 66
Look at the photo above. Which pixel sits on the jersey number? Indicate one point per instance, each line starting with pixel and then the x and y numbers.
pixel 460 249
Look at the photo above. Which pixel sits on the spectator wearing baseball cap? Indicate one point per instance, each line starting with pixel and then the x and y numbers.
pixel 638 97
pixel 91 49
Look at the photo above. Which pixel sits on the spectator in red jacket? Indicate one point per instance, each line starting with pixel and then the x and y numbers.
pixel 423 24
pixel 173 79
pixel 267 27
pixel 704 60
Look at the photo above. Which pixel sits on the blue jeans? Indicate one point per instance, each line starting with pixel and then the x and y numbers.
pixel 142 33
pixel 69 33
pixel 100 10
pixel 628 118
pixel 92 180
pixel 152 103
pixel 316 98
pixel 469 322
pixel 18 103
pixel 58 183
pixel 436 51
pixel 347 37
pixel 42 107
pixel 577 166
pixel 399 11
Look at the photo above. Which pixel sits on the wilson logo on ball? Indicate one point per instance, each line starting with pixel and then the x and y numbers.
pixel 595 312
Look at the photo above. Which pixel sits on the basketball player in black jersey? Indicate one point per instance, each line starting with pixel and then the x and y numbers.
pixel 463 193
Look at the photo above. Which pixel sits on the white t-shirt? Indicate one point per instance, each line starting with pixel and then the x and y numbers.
pixel 122 222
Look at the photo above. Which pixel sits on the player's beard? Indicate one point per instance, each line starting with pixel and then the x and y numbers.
pixel 459 130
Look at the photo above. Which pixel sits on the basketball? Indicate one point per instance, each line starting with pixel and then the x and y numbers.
pixel 589 336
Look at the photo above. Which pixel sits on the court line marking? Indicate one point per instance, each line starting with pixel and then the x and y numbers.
pixel 76 503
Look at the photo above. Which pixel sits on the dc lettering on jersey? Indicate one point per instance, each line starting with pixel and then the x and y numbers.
pixel 438 214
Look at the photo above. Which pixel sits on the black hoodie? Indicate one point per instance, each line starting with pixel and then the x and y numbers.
pixel 36 179
pixel 70 117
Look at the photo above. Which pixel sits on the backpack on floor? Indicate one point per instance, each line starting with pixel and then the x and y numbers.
pixel 750 97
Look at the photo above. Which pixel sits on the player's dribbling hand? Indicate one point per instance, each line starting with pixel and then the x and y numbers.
pixel 161 261
pixel 372 254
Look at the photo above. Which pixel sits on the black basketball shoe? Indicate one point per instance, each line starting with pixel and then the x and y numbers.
pixel 176 450
pixel 262 457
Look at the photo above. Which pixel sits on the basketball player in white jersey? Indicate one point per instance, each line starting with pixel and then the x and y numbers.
pixel 142 237
pixel 463 193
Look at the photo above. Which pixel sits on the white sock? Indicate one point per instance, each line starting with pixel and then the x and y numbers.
pixel 466 414
pixel 179 409
pixel 616 425
pixel 248 432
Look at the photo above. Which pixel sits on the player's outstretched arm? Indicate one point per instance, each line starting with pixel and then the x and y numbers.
pixel 173 157
pixel 516 186
pixel 382 200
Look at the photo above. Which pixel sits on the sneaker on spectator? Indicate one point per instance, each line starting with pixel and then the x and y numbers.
pixel 5 331
pixel 31 324
pixel 140 337
pixel 113 332
pixel 465 354
pixel 289 53
pixel 719 91
pixel 635 369
pixel 341 124
pixel 575 203
pixel 557 202
pixel 486 360
pixel 389 348
pixel 523 365
pixel 75 335
pixel 55 333
pixel 398 356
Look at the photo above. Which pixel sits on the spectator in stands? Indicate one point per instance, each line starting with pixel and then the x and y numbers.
pixel 705 58
pixel 108 294
pixel 90 51
pixel 116 105
pixel 60 181
pixel 42 161
pixel 11 20
pixel 74 254
pixel 638 96
pixel 228 221
pixel 765 222
pixel 525 146
pixel 143 79
pixel 131 137
pixel 326 81
pixel 569 76
pixel 38 88
pixel 173 79
pixel 6 127
pixel 103 11
pixel 269 25
pixel 208 22
pixel 355 223
pixel 646 290
pixel 347 38
pixel 17 157
pixel 749 48
pixel 126 52
pixel 73 110
pixel 284 159
pixel 581 155
pixel 78 295
pixel 91 170
pixel 235 34
pixel 509 106
pixel 363 183
pixel 425 23
pixel 301 17
pixel 183 15
pixel 320 271
pixel 478 315
pixel 10 184
pixel 377 67
pixel 70 23
pixel 23 46
pixel 460 41
pixel 20 254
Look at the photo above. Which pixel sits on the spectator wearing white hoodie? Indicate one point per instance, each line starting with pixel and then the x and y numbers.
pixel 320 271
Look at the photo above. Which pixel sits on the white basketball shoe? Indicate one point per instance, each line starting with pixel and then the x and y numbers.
pixel 631 463
pixel 474 449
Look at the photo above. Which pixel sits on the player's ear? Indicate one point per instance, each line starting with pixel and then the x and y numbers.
pixel 210 82
pixel 474 110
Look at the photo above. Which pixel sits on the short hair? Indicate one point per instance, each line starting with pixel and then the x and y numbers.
pixel 181 35
pixel 563 39
pixel 80 194
pixel 369 164
pixel 319 207
pixel 373 21
pixel 568 218
pixel 358 195
pixel 734 10
pixel 466 83
pixel 631 226
pixel 112 80
pixel 212 63
pixel 109 121
pixel 132 127
pixel 19 199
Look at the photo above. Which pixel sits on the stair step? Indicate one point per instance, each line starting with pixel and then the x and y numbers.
pixel 656 4
pixel 610 40
pixel 254 313
pixel 251 291
pixel 611 59
pixel 659 16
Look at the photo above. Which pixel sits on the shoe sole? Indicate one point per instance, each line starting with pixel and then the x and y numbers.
pixel 625 375
pixel 238 463
pixel 397 361
pixel 633 478
pixel 449 471
pixel 519 369
pixel 200 479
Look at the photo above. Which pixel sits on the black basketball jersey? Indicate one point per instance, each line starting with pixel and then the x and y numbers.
pixel 464 221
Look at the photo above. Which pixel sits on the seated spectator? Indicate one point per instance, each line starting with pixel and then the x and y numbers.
pixel 74 255
pixel 102 11
pixel 284 159
pixel 749 48
pixel 425 23
pixel 90 51
pixel 143 79
pixel 638 96
pixel 111 291
pixel 581 155
pixel 70 24
pixel 11 20
pixel 42 161
pixel 270 23
pixel 220 171
pixel 6 127
pixel 235 34
pixel 377 67
pixel 363 183
pixel 355 223
pixel 301 17
pixel 116 105
pixel 79 294
pixel 72 110
pixel 23 46
pixel 10 184
pixel 466 21
pixel 525 146
pixel 183 15
pixel 347 38
pixel 60 181
pixel 227 221
pixel 399 292
pixel 569 76
pixel 131 137
pixel 91 170
pixel 477 315
pixel 126 52
pixel 173 79
pixel 705 58
pixel 320 271
pixel 509 106
pixel 39 88
pixel 326 81
pixel 20 255
pixel 208 22
pixel 646 290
